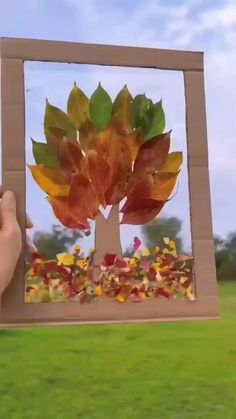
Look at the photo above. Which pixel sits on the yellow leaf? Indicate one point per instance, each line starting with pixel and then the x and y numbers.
pixel 166 240
pixel 120 298
pixel 146 281
pixel 146 251
pixel 99 291
pixel 183 279
pixel 132 263
pixel 83 264
pixel 137 255
pixel 53 181
pixel 122 111
pixel 157 249
pixel 190 293
pixel 65 259
pixel 78 248
pixel 78 106
pixel 156 266
pixel 173 163
pixel 164 184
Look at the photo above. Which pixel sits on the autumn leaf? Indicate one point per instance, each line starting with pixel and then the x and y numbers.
pixel 142 189
pixel 137 243
pixel 70 216
pixel 100 107
pixel 56 125
pixel 164 184
pixel 122 111
pixel 87 135
pixel 78 106
pixel 71 158
pixel 113 148
pixel 142 211
pixel 173 163
pixel 152 154
pixel 83 196
pixel 53 181
pixel 99 173
pixel 44 155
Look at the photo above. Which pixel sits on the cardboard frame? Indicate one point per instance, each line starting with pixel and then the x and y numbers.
pixel 14 311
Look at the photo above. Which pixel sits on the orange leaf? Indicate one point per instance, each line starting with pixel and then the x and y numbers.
pixel 53 181
pixel 99 173
pixel 70 216
pixel 142 211
pixel 152 154
pixel 83 196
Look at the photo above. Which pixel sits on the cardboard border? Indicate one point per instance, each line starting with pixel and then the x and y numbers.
pixel 14 311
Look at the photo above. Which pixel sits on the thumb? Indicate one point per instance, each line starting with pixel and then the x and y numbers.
pixel 8 210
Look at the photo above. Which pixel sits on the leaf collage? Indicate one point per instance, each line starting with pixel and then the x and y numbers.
pixel 148 274
pixel 101 152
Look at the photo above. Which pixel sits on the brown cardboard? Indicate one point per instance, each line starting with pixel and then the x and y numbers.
pixel 15 312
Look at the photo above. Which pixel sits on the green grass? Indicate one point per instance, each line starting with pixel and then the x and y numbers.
pixel 156 371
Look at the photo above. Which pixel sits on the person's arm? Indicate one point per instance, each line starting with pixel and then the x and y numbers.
pixel 10 239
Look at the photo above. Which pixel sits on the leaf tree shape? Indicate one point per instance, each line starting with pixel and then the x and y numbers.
pixel 100 153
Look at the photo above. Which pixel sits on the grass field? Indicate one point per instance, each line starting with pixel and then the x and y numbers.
pixel 157 371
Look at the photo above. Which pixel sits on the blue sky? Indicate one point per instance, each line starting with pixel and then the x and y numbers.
pixel 192 25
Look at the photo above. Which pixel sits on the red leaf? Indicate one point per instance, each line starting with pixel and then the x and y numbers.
pixel 137 243
pixel 69 215
pixel 110 259
pixel 143 211
pixel 162 292
pixel 152 154
pixel 121 263
pixel 152 274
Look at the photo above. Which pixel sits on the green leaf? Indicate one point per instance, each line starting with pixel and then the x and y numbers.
pixel 78 106
pixel 100 107
pixel 43 154
pixel 141 104
pixel 58 121
pixel 122 111
pixel 153 121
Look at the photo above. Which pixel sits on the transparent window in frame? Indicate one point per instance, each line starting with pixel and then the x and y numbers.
pixel 107 184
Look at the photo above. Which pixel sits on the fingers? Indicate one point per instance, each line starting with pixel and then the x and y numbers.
pixel 8 210
pixel 29 223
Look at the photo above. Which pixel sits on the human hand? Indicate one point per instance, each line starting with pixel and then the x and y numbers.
pixel 10 239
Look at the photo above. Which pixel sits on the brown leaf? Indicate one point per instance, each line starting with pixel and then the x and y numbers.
pixel 143 211
pixel 152 155
pixel 142 189
pixel 71 158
